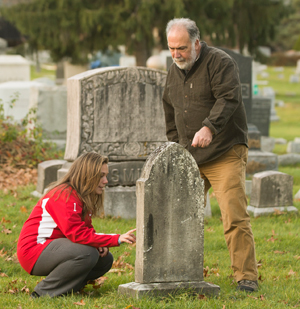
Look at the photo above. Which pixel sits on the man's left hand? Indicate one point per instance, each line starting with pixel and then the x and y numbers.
pixel 202 138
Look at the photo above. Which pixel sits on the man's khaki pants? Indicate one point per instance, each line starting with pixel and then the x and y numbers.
pixel 226 175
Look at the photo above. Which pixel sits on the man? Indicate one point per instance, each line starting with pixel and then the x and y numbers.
pixel 204 112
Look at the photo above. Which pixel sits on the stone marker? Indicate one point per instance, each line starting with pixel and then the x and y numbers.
pixel 47 173
pixel 24 93
pixel 269 92
pixel 271 191
pixel 289 159
pixel 170 226
pixel 14 68
pixel 293 147
pixel 261 108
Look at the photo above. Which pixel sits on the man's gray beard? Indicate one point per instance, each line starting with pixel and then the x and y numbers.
pixel 187 65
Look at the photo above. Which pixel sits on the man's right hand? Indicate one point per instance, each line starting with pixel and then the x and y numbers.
pixel 202 138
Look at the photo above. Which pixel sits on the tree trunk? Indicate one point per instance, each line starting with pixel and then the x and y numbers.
pixel 142 53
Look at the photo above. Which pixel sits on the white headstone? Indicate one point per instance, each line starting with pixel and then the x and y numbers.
pixel 24 91
pixel 14 68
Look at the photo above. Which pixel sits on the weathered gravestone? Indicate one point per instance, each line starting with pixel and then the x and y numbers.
pixel 117 112
pixel 271 191
pixel 170 226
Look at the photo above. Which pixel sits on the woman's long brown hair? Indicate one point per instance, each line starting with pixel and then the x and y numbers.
pixel 83 177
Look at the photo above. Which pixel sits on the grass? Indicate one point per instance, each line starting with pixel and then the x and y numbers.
pixel 44 72
pixel 277 255
pixel 276 238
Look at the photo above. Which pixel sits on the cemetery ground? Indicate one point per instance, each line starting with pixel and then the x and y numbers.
pixel 276 237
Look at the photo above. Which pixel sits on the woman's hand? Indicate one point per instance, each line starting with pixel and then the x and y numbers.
pixel 128 237
pixel 103 251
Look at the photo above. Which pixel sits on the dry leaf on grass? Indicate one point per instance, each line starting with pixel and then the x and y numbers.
pixel 80 303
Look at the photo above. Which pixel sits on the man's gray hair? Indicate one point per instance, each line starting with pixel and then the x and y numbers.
pixel 188 24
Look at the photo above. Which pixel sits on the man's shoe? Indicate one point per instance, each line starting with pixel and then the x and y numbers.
pixel 247 285
pixel 34 294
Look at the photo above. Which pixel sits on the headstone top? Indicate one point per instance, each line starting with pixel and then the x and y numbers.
pixel 13 59
pixel 116 111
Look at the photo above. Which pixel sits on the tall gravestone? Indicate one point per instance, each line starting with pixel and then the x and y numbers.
pixel 170 226
pixel 117 111
pixel 258 160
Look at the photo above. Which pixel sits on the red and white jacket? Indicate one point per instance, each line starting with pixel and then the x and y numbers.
pixel 51 219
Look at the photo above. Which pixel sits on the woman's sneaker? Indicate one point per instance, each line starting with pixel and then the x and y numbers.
pixel 247 285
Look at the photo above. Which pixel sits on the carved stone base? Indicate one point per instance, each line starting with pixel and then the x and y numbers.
pixel 259 161
pixel 137 290
pixel 258 211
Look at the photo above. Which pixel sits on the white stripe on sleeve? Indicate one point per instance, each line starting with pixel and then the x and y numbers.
pixel 47 225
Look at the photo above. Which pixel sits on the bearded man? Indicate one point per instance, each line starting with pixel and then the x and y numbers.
pixel 205 113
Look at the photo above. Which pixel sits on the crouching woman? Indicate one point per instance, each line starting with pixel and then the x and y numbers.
pixel 59 241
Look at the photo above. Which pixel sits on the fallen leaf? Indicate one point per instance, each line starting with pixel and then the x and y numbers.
pixel 205 271
pixel 202 297
pixel 23 209
pixel 297 257
pixel 280 252
pixel 80 303
pixel 260 279
pixel 116 270
pixel 6 231
pixel 3 275
pixel 278 212
pixel 210 229
pixel 292 273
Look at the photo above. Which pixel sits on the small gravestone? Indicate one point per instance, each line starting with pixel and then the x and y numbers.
pixel 294 146
pixel 271 191
pixel 47 173
pixel 170 226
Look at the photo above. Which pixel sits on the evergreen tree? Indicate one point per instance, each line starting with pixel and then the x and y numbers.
pixel 76 28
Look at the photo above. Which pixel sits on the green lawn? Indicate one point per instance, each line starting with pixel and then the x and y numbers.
pixel 277 251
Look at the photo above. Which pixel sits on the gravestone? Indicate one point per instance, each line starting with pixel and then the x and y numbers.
pixel 14 68
pixel 261 108
pixel 116 111
pixel 245 72
pixel 268 92
pixel 24 92
pixel 271 191
pixel 47 173
pixel 51 112
pixel 170 226
pixel 257 160
pixel 293 146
